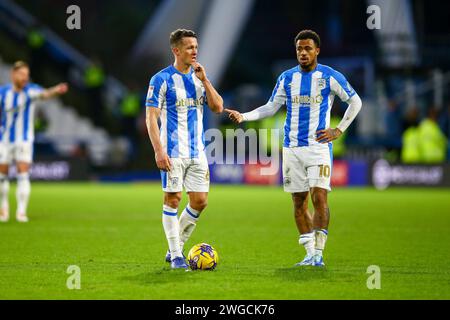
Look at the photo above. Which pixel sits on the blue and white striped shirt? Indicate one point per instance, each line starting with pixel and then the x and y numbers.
pixel 17 113
pixel 181 98
pixel 308 97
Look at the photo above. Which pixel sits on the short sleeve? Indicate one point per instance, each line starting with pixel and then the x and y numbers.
pixel 34 91
pixel 340 86
pixel 156 92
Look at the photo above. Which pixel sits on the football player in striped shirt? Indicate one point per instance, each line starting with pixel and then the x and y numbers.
pixel 308 90
pixel 177 96
pixel 17 104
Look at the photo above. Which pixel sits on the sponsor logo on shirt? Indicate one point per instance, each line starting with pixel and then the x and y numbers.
pixel 307 100
pixel 190 102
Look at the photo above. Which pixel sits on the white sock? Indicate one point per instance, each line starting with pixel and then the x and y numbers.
pixel 321 239
pixel 307 240
pixel 4 192
pixel 23 192
pixel 188 221
pixel 172 230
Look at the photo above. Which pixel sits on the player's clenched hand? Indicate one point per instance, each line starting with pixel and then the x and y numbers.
pixel 234 115
pixel 199 71
pixel 162 161
pixel 327 135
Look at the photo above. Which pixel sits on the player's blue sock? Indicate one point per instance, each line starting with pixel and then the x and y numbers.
pixel 188 221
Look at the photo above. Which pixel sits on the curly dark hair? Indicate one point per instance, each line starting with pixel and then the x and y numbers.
pixel 308 34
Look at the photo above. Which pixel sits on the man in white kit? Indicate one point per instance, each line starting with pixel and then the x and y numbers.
pixel 177 95
pixel 17 104
pixel 308 91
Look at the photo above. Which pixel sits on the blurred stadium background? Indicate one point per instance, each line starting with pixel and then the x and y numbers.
pixel 97 131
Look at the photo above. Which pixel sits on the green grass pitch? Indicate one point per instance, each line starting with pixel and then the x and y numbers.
pixel 113 232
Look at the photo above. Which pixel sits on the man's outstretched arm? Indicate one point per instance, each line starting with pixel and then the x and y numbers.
pixel 267 110
pixel 51 92
pixel 275 102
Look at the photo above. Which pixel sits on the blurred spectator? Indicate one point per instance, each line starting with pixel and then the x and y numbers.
pixel 40 122
pixel 433 143
pixel 410 138
pixel 130 109
pixel 411 119
pixel 35 38
pixel 94 79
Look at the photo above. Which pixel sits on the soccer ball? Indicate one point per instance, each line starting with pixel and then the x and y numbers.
pixel 202 256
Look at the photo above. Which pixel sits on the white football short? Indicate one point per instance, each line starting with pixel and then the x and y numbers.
pixel 307 167
pixel 18 152
pixel 193 174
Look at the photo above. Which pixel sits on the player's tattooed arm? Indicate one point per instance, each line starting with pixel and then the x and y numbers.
pixel 57 90
pixel 215 101
pixel 328 135
pixel 161 157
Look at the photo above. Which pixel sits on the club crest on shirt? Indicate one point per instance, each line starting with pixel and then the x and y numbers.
pixel 321 83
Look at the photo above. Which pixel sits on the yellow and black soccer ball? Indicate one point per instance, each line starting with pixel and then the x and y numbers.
pixel 202 256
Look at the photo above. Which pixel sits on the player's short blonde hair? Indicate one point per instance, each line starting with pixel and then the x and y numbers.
pixel 20 64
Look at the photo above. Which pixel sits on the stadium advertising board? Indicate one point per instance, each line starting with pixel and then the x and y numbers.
pixel 227 173
pixel 56 170
pixel 339 176
pixel 383 175
pixel 344 173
